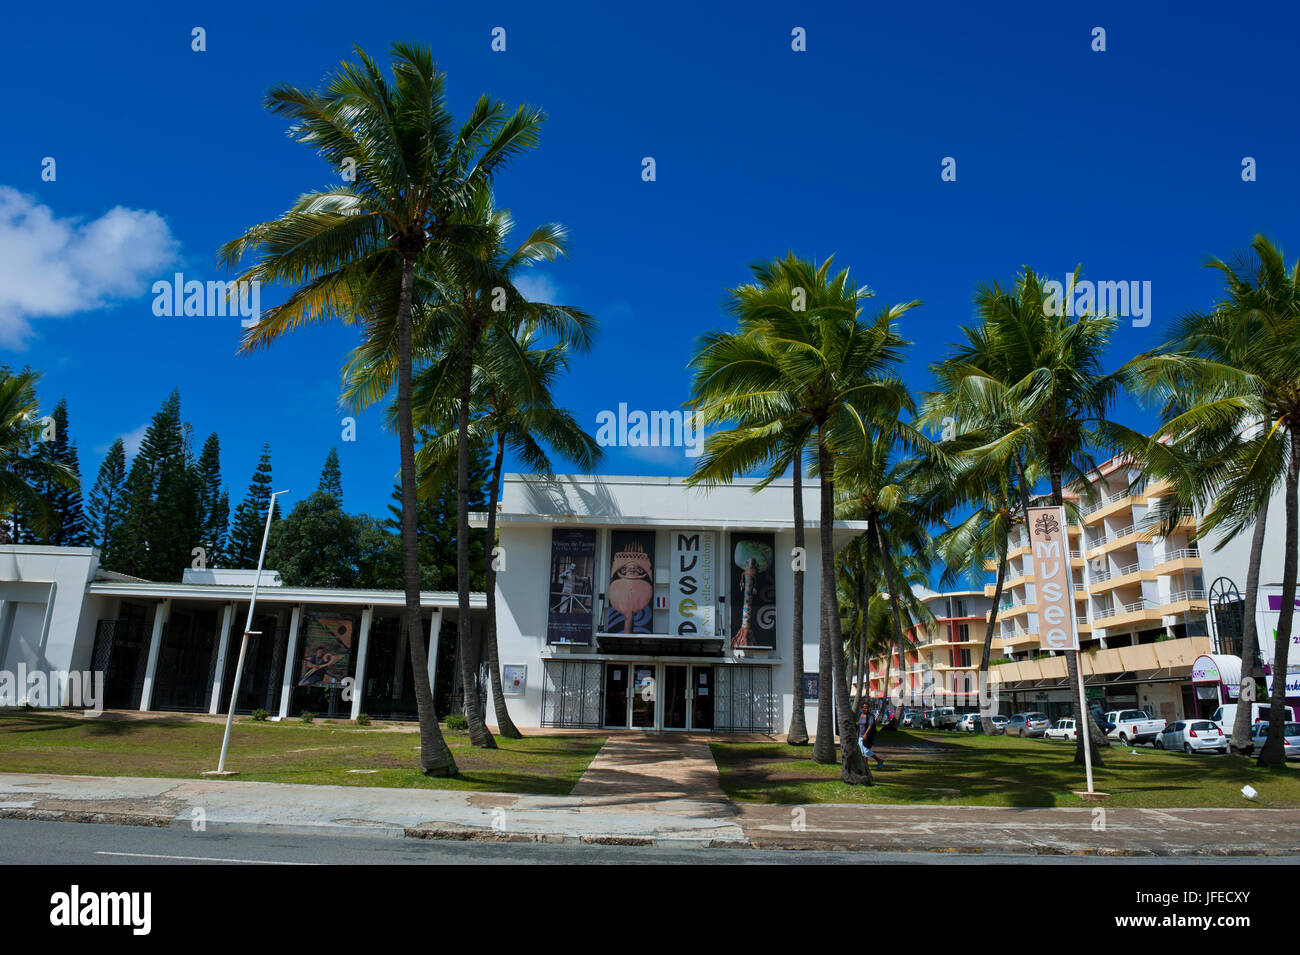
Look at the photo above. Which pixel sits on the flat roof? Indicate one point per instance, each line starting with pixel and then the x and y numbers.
pixel 429 599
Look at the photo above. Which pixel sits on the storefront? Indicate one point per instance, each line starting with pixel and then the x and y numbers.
pixel 1216 679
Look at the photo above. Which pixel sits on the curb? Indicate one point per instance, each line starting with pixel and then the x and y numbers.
pixel 154 820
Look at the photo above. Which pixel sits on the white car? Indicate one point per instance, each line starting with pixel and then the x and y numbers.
pixel 968 722
pixel 1193 736
pixel 1062 729
pixel 1290 738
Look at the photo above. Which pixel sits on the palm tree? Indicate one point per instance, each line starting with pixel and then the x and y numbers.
pixel 804 355
pixel 514 409
pixel 22 470
pixel 351 250
pixel 1230 380
pixel 1029 378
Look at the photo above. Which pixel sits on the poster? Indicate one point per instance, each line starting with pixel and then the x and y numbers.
pixel 811 686
pixel 692 592
pixel 631 582
pixel 327 647
pixel 573 561
pixel 753 590
pixel 514 680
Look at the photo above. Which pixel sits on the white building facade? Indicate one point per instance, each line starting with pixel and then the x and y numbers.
pixel 644 603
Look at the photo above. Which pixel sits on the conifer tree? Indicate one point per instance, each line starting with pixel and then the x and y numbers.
pixel 245 540
pixel 68 528
pixel 105 504
pixel 331 476
pixel 214 502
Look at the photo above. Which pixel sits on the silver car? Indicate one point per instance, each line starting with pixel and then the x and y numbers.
pixel 1290 737
pixel 1193 736
pixel 1028 724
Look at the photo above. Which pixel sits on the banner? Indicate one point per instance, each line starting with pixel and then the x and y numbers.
pixel 692 593
pixel 327 646
pixel 631 582
pixel 1052 577
pixel 753 590
pixel 573 562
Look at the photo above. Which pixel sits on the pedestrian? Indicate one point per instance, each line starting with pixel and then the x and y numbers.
pixel 867 734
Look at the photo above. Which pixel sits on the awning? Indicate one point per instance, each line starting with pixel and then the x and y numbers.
pixel 1217 668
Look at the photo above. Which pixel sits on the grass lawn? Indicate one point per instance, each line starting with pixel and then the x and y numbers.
pixel 285 753
pixel 926 767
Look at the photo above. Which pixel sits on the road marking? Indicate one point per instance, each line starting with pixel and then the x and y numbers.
pixel 149 855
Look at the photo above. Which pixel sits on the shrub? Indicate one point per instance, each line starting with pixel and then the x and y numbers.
pixel 308 716
pixel 363 719
pixel 260 716
pixel 457 721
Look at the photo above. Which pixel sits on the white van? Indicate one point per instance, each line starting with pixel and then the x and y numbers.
pixel 1225 716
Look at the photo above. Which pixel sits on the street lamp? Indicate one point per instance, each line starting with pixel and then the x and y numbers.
pixel 243 644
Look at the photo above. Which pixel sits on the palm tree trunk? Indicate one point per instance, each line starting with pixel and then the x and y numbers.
pixel 862 608
pixel 1240 743
pixel 505 725
pixel 1273 752
pixel 797 734
pixel 824 741
pixel 478 731
pixel 435 757
pixel 854 771
pixel 887 567
pixel 1072 657
pixel 986 722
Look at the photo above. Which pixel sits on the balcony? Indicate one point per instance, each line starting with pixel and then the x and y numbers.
pixel 1184 558
pixel 1115 660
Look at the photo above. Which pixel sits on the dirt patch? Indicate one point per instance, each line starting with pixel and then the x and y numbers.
pixel 492 801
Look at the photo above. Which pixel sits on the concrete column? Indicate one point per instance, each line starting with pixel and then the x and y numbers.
pixel 363 647
pixel 435 630
pixel 160 617
pixel 290 658
pixel 223 644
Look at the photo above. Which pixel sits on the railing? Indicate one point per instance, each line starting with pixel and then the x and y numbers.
pixel 1098 541
pixel 1132 568
pixel 1180 554
pixel 1181 595
pixel 1082 621
pixel 1137 605
pixel 1103 614
pixel 1102 502
pixel 1099 576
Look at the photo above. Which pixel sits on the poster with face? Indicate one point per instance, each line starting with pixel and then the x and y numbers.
pixel 573 562
pixel 631 582
pixel 753 591
pixel 327 646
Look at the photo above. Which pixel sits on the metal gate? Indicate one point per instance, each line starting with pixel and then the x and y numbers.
pixel 571 694
pixel 743 699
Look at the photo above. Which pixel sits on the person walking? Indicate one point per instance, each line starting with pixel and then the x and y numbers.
pixel 867 733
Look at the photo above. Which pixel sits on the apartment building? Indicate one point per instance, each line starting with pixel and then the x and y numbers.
pixel 941 665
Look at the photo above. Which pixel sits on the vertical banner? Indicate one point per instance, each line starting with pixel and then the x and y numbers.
pixel 1052 576
pixel 753 590
pixel 327 647
pixel 573 562
pixel 692 591
pixel 631 582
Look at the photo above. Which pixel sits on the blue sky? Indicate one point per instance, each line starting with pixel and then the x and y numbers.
pixel 1128 161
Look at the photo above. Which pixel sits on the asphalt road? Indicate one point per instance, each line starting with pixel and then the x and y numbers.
pixel 78 844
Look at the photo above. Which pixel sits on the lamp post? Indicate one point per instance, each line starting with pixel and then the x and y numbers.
pixel 243 644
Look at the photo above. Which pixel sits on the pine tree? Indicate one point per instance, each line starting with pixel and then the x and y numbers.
pixel 159 524
pixel 331 476
pixel 214 502
pixel 245 541
pixel 69 524
pixel 105 505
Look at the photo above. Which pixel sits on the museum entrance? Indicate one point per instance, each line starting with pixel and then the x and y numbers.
pixel 658 696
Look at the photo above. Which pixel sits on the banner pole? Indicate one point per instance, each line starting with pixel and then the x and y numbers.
pixel 1085 728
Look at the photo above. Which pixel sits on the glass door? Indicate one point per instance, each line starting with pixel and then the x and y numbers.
pixel 675 696
pixel 701 695
pixel 616 695
pixel 643 696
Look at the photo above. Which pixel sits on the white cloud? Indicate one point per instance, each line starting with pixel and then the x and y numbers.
pixel 130 442
pixel 51 266
pixel 537 287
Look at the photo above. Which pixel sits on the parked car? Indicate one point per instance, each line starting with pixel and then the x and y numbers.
pixel 909 718
pixel 999 723
pixel 945 718
pixel 1290 736
pixel 1193 736
pixel 1062 729
pixel 1027 724
pixel 1134 726
pixel 968 722
pixel 1226 715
